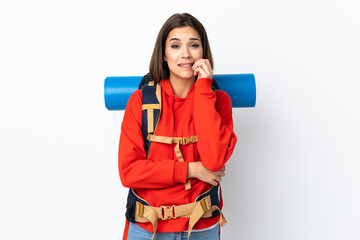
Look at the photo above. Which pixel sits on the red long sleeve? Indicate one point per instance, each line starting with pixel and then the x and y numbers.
pixel 213 124
pixel 135 170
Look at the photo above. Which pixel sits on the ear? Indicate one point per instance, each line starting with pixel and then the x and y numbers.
pixel 165 58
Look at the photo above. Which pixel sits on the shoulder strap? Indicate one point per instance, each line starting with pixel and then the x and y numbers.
pixel 151 107
pixel 214 85
pixel 145 80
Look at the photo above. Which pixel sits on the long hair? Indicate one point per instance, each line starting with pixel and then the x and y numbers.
pixel 158 67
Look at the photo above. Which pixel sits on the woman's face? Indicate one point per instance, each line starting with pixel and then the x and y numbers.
pixel 183 47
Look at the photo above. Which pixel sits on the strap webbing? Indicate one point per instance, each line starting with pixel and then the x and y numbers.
pixel 199 212
pixel 194 211
pixel 151 106
pixel 158 95
pixel 150 120
pixel 178 141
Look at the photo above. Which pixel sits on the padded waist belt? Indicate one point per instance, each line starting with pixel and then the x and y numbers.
pixel 205 206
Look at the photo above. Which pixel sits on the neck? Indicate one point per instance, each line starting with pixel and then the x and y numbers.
pixel 181 87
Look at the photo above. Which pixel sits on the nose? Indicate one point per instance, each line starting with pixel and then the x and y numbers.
pixel 186 52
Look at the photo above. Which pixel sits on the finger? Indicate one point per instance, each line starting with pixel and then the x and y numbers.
pixel 218 179
pixel 205 66
pixel 220 173
pixel 196 63
pixel 201 72
pixel 207 62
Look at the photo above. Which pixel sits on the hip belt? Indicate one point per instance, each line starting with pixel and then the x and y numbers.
pixel 206 205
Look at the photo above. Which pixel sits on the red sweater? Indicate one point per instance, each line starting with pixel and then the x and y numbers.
pixel 160 177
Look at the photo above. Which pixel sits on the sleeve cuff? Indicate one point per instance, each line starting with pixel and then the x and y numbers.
pixel 204 83
pixel 180 172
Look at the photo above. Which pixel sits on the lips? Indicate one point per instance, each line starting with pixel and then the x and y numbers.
pixel 186 64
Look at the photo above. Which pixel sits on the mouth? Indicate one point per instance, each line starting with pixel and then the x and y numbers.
pixel 186 64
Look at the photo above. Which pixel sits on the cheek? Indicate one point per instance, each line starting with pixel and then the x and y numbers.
pixel 198 54
pixel 170 57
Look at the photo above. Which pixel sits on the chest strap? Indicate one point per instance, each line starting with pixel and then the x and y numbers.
pixel 178 141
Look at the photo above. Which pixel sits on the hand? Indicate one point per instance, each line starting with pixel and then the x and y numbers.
pixel 197 170
pixel 202 68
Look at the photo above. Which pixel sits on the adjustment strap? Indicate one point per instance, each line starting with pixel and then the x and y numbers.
pixel 178 141
pixel 199 212
pixel 171 140
pixel 150 120
pixel 181 159
pixel 153 105
pixel 203 207
pixel 150 106
pixel 149 214
pixel 150 115
pixel 158 96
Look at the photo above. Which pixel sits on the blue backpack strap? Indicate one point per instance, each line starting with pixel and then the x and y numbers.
pixel 151 106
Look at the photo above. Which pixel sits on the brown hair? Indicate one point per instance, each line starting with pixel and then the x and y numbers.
pixel 158 67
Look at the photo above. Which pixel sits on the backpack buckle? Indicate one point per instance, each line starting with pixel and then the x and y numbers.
pixel 205 203
pixel 168 212
pixel 139 209
pixel 187 140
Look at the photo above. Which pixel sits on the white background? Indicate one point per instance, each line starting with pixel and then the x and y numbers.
pixel 295 170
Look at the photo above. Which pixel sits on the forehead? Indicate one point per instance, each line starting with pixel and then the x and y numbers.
pixel 183 33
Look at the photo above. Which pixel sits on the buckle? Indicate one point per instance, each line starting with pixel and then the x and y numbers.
pixel 140 208
pixel 205 203
pixel 148 137
pixel 168 212
pixel 187 140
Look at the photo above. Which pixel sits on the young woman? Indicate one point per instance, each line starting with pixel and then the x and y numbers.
pixel 190 144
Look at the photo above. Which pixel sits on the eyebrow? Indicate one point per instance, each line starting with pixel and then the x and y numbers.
pixel 177 39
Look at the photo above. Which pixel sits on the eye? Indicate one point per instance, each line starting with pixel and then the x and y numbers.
pixel 195 45
pixel 175 46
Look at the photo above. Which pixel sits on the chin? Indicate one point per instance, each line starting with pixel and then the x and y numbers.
pixel 187 76
pixel 184 75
